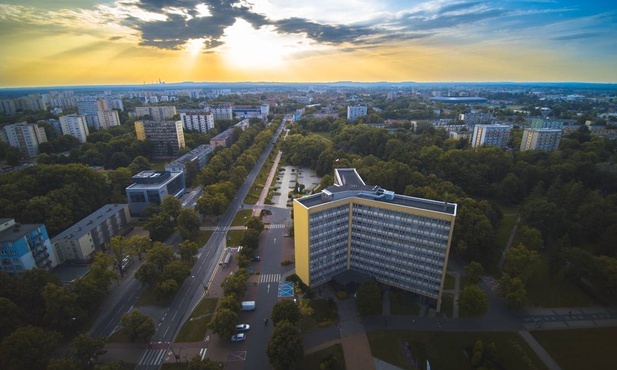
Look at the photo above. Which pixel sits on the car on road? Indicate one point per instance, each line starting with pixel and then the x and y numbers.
pixel 256 258
pixel 239 337
pixel 242 327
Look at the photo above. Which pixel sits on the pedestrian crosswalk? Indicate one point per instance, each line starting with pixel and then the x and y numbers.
pixel 270 278
pixel 276 226
pixel 153 357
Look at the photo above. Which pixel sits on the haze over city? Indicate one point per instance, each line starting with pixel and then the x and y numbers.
pixel 89 42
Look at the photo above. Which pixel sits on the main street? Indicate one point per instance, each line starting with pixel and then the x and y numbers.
pixel 193 290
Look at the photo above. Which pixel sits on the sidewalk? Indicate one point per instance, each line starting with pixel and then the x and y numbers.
pixel 264 192
pixel 539 350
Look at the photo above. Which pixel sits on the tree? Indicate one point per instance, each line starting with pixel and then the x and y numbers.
pixel 305 309
pixel 166 289
pixel 474 272
pixel 530 237
pixel 84 349
pixel 255 223
pixel 63 363
pixel 61 311
pixel 119 248
pixel 250 239
pixel 171 207
pixel 521 262
pixel 176 270
pixel 187 249
pixel 9 316
pixel 235 284
pixel 137 325
pixel 188 223
pixel 285 310
pixel 368 298
pixel 473 300
pixel 139 164
pixel 160 227
pixel 285 349
pixel 478 352
pixel 513 291
pixel 197 363
pixel 230 302
pixel 224 323
pixel 139 244
pixel 160 255
pixel 28 347
pixel 147 274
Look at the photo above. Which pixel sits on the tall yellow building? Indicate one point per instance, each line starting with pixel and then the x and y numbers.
pixel 167 136
pixel 399 240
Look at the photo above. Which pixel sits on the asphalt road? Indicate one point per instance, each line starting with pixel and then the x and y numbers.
pixel 192 290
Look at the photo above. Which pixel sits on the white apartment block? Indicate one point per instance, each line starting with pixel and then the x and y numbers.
pixel 223 111
pixel 491 135
pixel 26 137
pixel 108 118
pixel 75 125
pixel 355 111
pixel 161 113
pixel 201 121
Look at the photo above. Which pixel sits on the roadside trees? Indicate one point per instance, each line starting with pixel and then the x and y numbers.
pixel 473 300
pixel 285 349
pixel 285 310
pixel 138 326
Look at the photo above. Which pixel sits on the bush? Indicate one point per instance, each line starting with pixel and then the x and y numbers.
pixel 286 263
pixel 341 294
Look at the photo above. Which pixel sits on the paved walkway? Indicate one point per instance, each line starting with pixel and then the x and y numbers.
pixel 539 350
pixel 502 259
pixel 264 192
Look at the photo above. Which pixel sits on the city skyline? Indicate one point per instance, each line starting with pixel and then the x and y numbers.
pixel 90 42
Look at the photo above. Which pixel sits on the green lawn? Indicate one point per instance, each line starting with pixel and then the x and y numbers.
pixel 325 135
pixel 403 303
pixel 159 165
pixel 241 217
pixel 449 283
pixel 449 350
pixel 324 313
pixel 234 237
pixel 149 299
pixel 312 361
pixel 447 304
pixel 504 230
pixel 580 348
pixel 554 290
pixel 202 237
pixel 194 329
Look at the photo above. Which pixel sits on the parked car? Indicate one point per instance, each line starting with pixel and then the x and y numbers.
pixel 239 337
pixel 256 259
pixel 243 327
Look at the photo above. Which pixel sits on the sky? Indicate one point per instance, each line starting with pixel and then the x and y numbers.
pixel 92 42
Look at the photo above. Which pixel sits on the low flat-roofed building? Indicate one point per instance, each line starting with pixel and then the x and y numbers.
pixel 399 240
pixel 151 187
pixel 81 241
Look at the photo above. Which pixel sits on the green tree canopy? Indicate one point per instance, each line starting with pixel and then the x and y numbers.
pixel 137 325
pixel 28 347
pixel 285 349
pixel 473 300
pixel 285 310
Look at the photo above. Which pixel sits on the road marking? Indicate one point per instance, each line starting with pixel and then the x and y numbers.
pixel 270 278
pixel 268 288
pixel 152 357
pixel 202 352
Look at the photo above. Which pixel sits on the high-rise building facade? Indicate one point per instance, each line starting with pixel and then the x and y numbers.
pixel 541 139
pixel 89 108
pixel 399 240
pixel 355 111
pixel 24 247
pixel 200 121
pixel 108 118
pixel 75 125
pixel 491 135
pixel 156 113
pixel 555 124
pixel 167 137
pixel 26 137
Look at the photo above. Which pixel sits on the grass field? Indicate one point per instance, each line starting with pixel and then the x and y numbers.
pixel 449 350
pixel 194 329
pixel 403 303
pixel 241 217
pixel 149 299
pixel 312 361
pixel 504 230
pixel 234 237
pixel 580 348
pixel 553 290
pixel 447 305
pixel 449 283
pixel 202 237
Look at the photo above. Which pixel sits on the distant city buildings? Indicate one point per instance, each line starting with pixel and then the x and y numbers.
pixel 26 137
pixel 200 121
pixel 539 123
pixel 167 137
pixel 107 119
pixel 82 240
pixel 75 125
pixel 89 109
pixel 352 229
pixel 355 111
pixel 223 139
pixel 160 113
pixel 221 111
pixel 251 111
pixel 151 187
pixel 491 135
pixel 24 247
